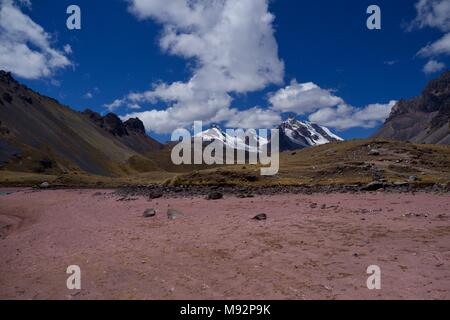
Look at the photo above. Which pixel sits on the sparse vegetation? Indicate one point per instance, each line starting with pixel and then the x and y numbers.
pixel 339 163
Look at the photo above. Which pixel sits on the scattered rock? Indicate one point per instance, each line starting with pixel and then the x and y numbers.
pixel 149 213
pixel 155 195
pixel 260 217
pixel 413 179
pixel 245 195
pixel 313 205
pixel 376 174
pixel 215 196
pixel 127 199
pixel 44 185
pixel 373 186
pixel 417 215
pixel 374 152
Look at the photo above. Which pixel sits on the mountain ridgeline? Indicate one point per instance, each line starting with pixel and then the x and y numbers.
pixel 39 134
pixel 424 119
pixel 294 135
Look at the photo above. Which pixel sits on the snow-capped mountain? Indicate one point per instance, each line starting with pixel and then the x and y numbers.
pixel 296 134
pixel 235 142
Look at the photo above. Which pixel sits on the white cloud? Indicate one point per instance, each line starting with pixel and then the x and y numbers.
pixel 233 48
pixel 134 106
pixel 254 118
pixel 345 116
pixel 92 93
pixel 25 47
pixel 88 95
pixel 391 62
pixel 25 3
pixel 303 98
pixel 114 105
pixel 434 14
pixel 441 46
pixel 433 66
pixel 68 49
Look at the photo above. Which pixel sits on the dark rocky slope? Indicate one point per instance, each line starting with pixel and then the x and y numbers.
pixel 424 119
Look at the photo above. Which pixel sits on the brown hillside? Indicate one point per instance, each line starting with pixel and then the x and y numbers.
pixel 40 135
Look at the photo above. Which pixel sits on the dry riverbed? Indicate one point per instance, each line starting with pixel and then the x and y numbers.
pixel 310 247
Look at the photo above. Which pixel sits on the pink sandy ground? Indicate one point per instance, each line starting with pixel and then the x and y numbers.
pixel 216 250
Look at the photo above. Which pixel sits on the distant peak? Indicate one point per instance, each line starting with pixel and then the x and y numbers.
pixel 135 125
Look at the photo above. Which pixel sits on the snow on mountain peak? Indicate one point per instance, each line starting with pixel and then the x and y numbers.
pixel 294 134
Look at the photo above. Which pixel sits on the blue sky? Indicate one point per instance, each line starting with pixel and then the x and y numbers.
pixel 324 43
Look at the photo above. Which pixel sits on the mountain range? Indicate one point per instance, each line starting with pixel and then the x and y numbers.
pixel 40 135
pixel 294 135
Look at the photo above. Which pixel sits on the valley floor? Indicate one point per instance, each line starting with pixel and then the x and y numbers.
pixel 310 247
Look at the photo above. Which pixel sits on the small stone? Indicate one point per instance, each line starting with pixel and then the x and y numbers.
pixel 373 186
pixel 149 213
pixel 44 185
pixel 215 196
pixel 260 217
pixel 373 152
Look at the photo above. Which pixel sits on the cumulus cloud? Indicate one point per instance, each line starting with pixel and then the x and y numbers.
pixel 433 66
pixel 233 48
pixel 25 47
pixel 303 98
pixel 345 116
pixel 255 118
pixel 434 14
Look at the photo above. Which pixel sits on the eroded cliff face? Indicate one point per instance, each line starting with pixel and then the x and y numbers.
pixel 424 119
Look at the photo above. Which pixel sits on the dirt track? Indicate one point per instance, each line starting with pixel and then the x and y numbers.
pixel 311 246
